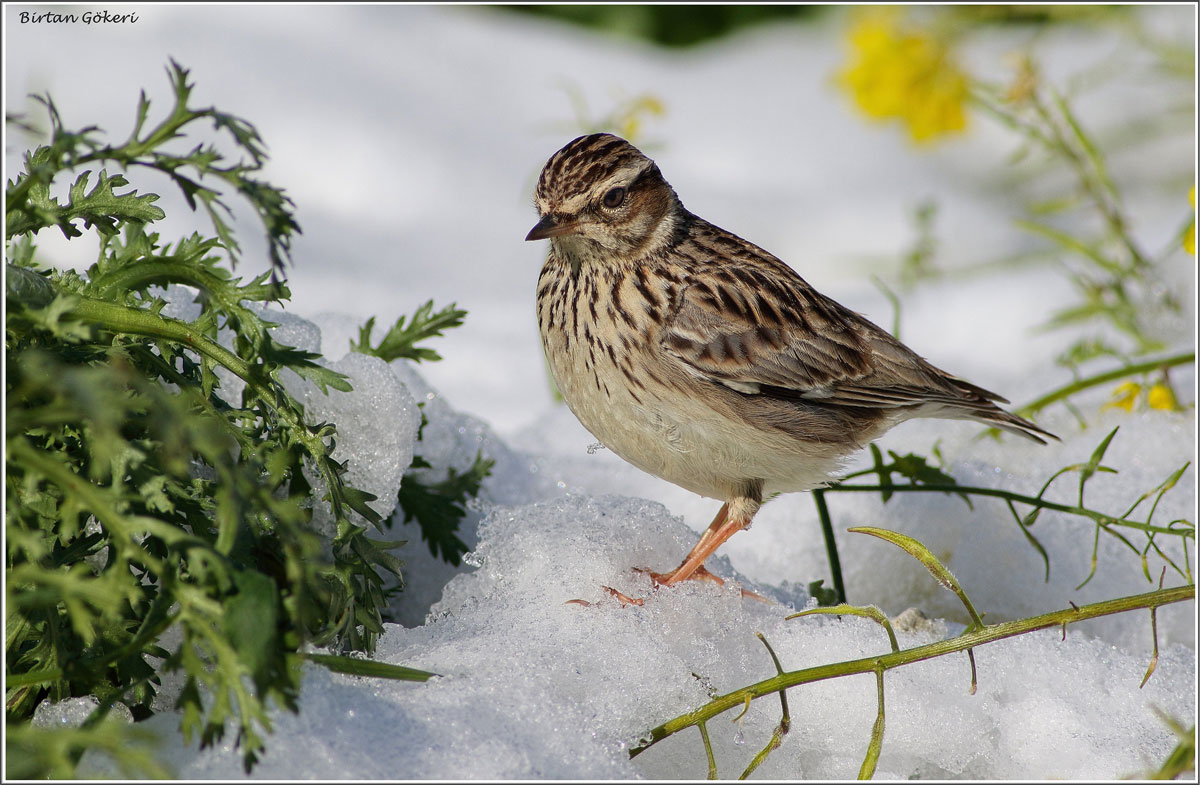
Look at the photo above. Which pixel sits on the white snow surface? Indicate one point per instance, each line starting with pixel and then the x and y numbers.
pixel 410 138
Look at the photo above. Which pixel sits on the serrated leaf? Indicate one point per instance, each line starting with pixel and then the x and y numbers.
pixel 302 363
pixel 401 340
pixel 439 507
pixel 202 503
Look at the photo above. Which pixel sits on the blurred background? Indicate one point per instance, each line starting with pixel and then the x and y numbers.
pixel 891 156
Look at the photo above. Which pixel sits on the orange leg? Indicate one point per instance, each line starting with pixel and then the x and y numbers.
pixel 731 518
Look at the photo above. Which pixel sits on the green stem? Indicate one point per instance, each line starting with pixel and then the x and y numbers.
pixel 1098 517
pixel 156 270
pixel 831 551
pixel 121 319
pixel 1091 172
pixel 1108 376
pixel 879 663
pixel 15 680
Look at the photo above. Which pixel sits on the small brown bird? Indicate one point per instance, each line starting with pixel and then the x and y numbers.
pixel 704 360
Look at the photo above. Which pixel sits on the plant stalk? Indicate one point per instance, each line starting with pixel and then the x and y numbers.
pixel 884 662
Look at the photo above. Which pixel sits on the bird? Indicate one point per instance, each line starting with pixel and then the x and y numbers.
pixel 706 361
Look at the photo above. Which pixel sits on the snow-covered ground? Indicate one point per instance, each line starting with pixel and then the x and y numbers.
pixel 410 138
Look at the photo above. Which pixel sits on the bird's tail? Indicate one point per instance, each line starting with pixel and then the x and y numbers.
pixel 1013 424
pixel 979 404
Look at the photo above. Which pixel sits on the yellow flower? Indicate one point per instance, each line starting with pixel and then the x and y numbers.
pixel 629 117
pixel 1124 397
pixel 905 74
pixel 1161 396
pixel 1189 237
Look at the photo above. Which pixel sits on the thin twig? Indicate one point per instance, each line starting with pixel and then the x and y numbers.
pixel 968 640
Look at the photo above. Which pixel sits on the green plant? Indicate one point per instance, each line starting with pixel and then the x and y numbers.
pixel 1123 287
pixel 141 495
pixel 976 634
pixel 437 507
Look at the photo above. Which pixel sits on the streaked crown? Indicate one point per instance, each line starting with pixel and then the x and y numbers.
pixel 601 191
pixel 584 161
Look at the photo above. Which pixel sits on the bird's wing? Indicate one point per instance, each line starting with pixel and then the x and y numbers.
pixel 760 329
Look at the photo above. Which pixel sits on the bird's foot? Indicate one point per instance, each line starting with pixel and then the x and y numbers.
pixel 700 573
pixel 674 576
pixel 668 579
pixel 624 598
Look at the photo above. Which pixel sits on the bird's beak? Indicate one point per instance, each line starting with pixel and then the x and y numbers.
pixel 550 226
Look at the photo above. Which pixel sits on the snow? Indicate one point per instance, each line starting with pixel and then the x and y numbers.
pixel 410 138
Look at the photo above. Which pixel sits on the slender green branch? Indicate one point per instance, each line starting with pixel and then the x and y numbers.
pixel 1101 518
pixel 1183 358
pixel 922 554
pixel 875 746
pixel 785 722
pixel 968 640
pixel 121 319
pixel 831 550
pixel 712 760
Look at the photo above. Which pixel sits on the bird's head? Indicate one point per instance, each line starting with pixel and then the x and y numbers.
pixel 599 196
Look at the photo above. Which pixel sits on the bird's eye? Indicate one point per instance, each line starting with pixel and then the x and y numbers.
pixel 614 197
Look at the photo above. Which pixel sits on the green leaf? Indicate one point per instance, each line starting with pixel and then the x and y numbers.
pixel 402 339
pixel 138 499
pixel 439 507
pixel 251 620
pixel 1093 464
pixel 825 597
pixel 373 669
pixel 27 287
pixel 100 207
pixel 922 554
pixel 864 611
pixel 303 363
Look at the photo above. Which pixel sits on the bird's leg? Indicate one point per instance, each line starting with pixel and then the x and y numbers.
pixel 713 527
pixel 733 516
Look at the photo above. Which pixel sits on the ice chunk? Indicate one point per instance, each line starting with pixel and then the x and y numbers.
pixel 452 440
pixel 377 426
pixel 71 712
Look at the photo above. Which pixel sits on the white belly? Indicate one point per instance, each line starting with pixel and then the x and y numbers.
pixel 680 439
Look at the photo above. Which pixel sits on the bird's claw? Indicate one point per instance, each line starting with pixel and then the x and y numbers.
pixel 664 579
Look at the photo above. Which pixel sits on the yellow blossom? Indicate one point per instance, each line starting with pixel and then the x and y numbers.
pixel 1161 396
pixel 1124 397
pixel 629 117
pixel 1189 237
pixel 906 74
